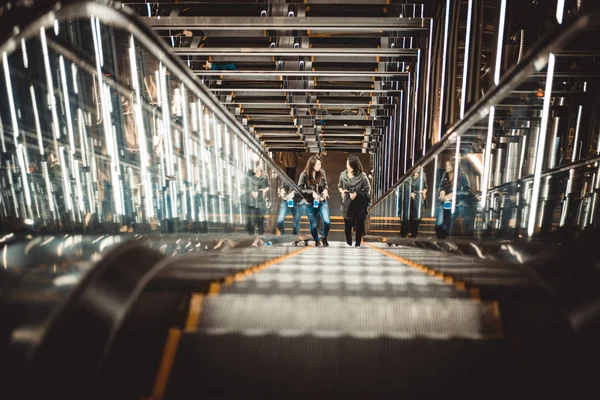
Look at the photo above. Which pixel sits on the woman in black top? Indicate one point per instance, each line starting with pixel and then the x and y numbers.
pixel 257 186
pixel 355 189
pixel 315 191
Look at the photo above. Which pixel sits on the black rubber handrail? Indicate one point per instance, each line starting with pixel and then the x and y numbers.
pixel 81 330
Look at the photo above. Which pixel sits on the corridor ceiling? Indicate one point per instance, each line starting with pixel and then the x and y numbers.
pixel 311 76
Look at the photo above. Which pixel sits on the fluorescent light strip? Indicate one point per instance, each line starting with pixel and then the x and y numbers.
pixel 99 40
pixel 145 175
pixel 463 95
pixel 50 83
pixel 575 145
pixel 36 117
pixel 444 55
pixel 488 157
pixel 66 97
pixel 490 133
pixel 186 129
pixel 416 106
pixel 12 188
pixel 406 126
pixel 540 146
pixel 2 142
pixel 74 75
pixel 434 187
pixel 24 51
pixel 11 99
pixel 457 172
pixel 65 178
pixel 560 9
pixel 429 67
pixel 499 45
pixel 24 169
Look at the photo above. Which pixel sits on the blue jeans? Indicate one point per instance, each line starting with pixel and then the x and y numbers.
pixel 445 218
pixel 443 221
pixel 323 211
pixel 311 213
pixel 284 210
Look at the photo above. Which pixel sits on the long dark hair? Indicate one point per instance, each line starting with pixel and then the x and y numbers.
pixel 310 167
pixel 355 164
pixel 460 171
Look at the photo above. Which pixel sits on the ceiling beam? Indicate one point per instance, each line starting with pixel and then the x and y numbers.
pixel 351 24
pixel 250 105
pixel 301 73
pixel 249 89
pixel 292 52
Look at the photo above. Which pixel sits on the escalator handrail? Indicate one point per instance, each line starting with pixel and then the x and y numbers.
pixel 117 15
pixel 554 171
pixel 534 60
pixel 109 266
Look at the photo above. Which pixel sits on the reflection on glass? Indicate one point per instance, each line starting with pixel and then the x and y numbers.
pixel 98 135
pixel 525 166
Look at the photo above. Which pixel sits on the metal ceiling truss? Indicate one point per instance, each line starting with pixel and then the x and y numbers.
pixel 297 74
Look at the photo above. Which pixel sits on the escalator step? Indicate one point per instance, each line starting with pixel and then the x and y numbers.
pixel 335 316
pixel 327 285
pixel 240 366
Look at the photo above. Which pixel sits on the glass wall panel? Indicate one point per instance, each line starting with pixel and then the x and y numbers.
pixel 101 134
pixel 523 165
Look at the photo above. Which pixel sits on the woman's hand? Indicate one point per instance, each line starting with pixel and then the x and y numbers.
pixel 442 195
pixel 325 194
pixel 254 194
pixel 352 195
pixel 282 193
pixel 448 197
pixel 315 195
pixel 413 195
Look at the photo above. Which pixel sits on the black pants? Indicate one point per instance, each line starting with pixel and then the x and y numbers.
pixel 255 217
pixel 359 227
pixel 409 225
pixel 414 227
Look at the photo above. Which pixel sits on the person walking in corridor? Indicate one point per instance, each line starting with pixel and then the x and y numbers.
pixel 356 193
pixel 313 184
pixel 257 186
pixel 413 202
pixel 288 205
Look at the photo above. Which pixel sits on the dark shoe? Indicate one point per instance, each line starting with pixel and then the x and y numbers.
pixel 325 242
pixel 317 243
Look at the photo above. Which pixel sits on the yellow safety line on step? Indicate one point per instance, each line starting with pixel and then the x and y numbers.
pixel 168 356
pixel 194 311
pixel 259 267
pixel 213 289
pixel 459 285
pixel 493 307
